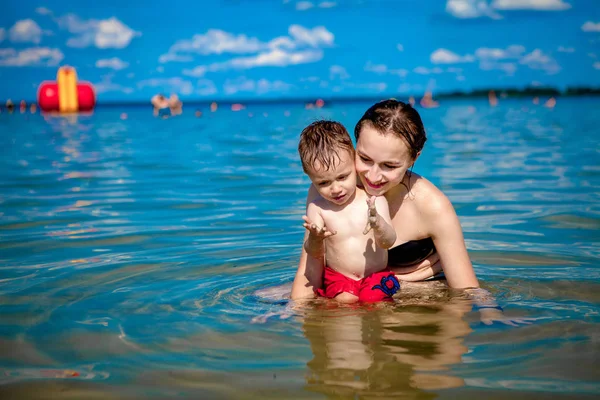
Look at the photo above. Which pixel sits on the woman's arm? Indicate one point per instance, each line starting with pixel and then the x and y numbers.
pixel 309 276
pixel 442 223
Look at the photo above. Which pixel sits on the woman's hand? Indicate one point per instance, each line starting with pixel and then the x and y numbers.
pixel 490 315
pixel 372 215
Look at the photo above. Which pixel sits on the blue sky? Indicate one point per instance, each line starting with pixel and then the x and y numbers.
pixel 232 49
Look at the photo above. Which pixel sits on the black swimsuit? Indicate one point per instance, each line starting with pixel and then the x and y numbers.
pixel 411 252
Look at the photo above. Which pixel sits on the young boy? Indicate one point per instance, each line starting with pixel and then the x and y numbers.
pixel 352 237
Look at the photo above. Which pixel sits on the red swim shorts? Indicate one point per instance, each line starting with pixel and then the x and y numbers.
pixel 376 287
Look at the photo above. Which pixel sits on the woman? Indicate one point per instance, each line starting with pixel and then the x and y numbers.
pixel 389 139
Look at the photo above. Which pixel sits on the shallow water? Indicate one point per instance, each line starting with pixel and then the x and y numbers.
pixel 132 252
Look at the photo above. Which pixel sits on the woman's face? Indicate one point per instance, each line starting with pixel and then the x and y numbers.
pixel 381 160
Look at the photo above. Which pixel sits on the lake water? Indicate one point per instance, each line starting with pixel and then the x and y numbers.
pixel 132 249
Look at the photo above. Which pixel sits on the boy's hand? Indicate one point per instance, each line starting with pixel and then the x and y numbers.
pixel 317 232
pixel 372 213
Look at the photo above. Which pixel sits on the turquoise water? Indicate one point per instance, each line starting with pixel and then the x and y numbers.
pixel 132 249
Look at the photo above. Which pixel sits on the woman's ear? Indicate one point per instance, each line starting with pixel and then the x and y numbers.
pixel 416 157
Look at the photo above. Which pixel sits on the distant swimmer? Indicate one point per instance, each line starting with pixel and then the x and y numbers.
pixel 160 105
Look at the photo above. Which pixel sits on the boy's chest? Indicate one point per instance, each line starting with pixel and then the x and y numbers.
pixel 349 221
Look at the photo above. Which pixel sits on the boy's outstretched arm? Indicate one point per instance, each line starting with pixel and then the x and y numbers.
pixel 381 222
pixel 309 276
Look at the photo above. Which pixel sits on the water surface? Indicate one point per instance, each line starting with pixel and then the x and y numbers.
pixel 132 249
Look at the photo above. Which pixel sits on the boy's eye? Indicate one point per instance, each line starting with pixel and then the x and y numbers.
pixel 323 184
pixel 342 177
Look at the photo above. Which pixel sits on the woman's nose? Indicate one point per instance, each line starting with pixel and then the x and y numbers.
pixel 374 174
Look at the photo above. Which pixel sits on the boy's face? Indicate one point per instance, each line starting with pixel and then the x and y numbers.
pixel 338 183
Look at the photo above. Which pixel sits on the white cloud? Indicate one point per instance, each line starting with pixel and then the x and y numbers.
pixel 508 67
pixel 400 47
pixel 307 5
pixel 482 8
pixel 259 87
pixel 38 56
pixel 205 87
pixel 169 85
pixel 216 41
pixel 310 79
pixel 316 37
pixel 26 30
pixel 327 4
pixel 112 33
pixel 338 72
pixel 304 5
pixel 2 34
pixel 107 85
pixel 273 58
pixel 443 56
pixel 470 9
pixel 548 5
pixel 377 87
pixel 596 65
pixel 104 34
pixel 563 49
pixel 376 68
pixel 427 71
pixel 113 63
pixel 383 69
pixel 43 11
pixel 302 46
pixel 513 51
pixel 168 57
pixel 197 72
pixel 500 59
pixel 537 59
pixel 408 88
pixel 590 26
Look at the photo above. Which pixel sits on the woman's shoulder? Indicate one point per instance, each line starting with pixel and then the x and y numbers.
pixel 427 197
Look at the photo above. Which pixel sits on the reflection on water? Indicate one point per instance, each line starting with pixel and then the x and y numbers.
pixel 385 351
pixel 139 259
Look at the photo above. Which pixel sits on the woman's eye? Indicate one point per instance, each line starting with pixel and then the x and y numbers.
pixel 364 159
pixel 390 166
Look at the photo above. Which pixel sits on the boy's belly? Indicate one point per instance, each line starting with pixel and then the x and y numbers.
pixel 355 258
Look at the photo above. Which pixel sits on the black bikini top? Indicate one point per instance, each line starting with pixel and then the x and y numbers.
pixel 410 252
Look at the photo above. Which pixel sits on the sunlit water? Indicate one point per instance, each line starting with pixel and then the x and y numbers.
pixel 132 252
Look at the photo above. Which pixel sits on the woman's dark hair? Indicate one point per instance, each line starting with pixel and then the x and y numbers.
pixel 398 118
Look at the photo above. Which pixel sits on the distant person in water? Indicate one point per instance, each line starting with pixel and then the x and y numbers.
pixel 164 107
pixel 346 228
pixel 160 105
pixel 175 105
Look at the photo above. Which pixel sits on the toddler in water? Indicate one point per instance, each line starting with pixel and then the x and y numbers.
pixel 350 229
